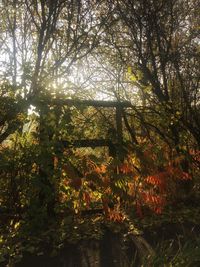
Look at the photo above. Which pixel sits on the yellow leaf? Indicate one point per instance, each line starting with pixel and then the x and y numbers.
pixel 129 70
pixel 133 78
pixel 17 224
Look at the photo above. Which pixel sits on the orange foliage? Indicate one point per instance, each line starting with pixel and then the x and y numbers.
pixel 153 199
pixel 158 187
pixel 159 180
pixel 177 173
pixel 163 185
pixel 153 190
pixel 110 213
pixel 115 216
pixel 101 170
pixel 125 168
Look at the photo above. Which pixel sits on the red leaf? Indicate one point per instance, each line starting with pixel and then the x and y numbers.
pixel 87 199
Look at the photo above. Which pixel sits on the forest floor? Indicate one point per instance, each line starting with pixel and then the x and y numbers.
pixel 92 241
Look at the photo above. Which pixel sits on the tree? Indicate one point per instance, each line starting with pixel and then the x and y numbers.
pixel 158 42
pixel 41 42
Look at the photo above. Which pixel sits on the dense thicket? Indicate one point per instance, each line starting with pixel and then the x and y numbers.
pixel 143 52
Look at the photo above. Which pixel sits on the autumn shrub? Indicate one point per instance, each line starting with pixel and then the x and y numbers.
pixel 45 176
pixel 149 180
